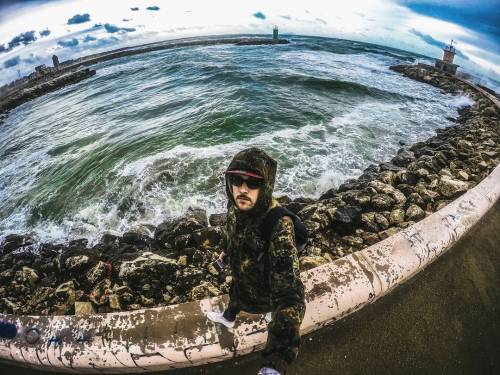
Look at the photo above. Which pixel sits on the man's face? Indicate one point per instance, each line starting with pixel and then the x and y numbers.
pixel 244 196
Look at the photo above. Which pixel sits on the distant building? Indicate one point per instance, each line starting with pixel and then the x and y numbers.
pixel 55 60
pixel 41 71
pixel 446 65
pixel 275 33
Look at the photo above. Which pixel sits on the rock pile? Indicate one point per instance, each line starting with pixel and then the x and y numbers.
pixel 173 263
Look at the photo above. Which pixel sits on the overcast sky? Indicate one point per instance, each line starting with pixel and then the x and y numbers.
pixel 32 31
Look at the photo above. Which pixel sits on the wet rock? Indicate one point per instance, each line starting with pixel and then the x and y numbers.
pixel 390 167
pixel 84 308
pixel 381 220
pixel 414 213
pixel 98 272
pixel 14 241
pixel 353 241
pixel 405 177
pixel 397 216
pixel 298 204
pixel 368 222
pixel 204 290
pixel 10 306
pixel 218 220
pixel 403 158
pixel 356 198
pixel 77 262
pixel 187 278
pixel 29 276
pixel 183 261
pixel 163 233
pixel 382 202
pixel 388 233
pixel 140 240
pixel 110 238
pixel 415 198
pixel 490 111
pixel 346 218
pixel 114 302
pixel 317 216
pixel 387 177
pixel 66 296
pixel 450 188
pixel 211 237
pixel 147 267
pixel 370 238
pixel 309 262
pixel 389 190
pixel 78 244
pixel 145 301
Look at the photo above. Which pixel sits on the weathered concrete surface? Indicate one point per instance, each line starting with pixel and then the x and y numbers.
pixel 443 321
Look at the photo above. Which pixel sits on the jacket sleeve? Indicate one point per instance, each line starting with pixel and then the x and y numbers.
pixel 286 287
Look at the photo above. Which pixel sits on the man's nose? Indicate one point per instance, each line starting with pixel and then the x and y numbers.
pixel 244 187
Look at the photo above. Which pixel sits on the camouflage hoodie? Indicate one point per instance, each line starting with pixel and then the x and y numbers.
pixel 264 278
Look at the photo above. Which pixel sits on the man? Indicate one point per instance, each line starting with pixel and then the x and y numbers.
pixel 265 274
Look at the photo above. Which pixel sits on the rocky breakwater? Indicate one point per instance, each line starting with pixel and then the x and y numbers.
pixel 40 88
pixel 172 263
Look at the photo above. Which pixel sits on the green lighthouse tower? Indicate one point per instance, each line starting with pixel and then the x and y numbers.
pixel 275 33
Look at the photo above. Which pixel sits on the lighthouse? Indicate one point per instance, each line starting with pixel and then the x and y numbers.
pixel 446 65
pixel 275 33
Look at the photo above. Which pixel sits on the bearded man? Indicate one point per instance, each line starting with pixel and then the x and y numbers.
pixel 265 270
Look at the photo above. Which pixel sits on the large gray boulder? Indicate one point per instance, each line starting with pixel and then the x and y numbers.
pixel 449 187
pixel 147 267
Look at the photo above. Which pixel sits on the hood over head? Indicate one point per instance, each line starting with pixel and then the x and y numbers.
pixel 255 161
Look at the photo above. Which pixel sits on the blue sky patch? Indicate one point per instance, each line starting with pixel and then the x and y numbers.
pixel 113 28
pixel 68 43
pixel 23 38
pixel 260 15
pixel 45 32
pixel 12 62
pixel 79 18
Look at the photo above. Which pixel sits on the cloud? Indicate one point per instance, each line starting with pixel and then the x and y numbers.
pixel 113 28
pixel 31 59
pixel 154 7
pixel 89 38
pixel 12 62
pixel 126 19
pixel 321 20
pixel 3 49
pixel 68 43
pixel 286 17
pixel 23 38
pixel 476 15
pixel 259 15
pixel 45 32
pixel 134 9
pixel 434 42
pixel 79 18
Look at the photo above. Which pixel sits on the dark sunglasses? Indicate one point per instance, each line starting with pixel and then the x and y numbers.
pixel 252 183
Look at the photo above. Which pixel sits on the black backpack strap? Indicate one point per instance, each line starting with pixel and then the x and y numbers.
pixel 273 216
